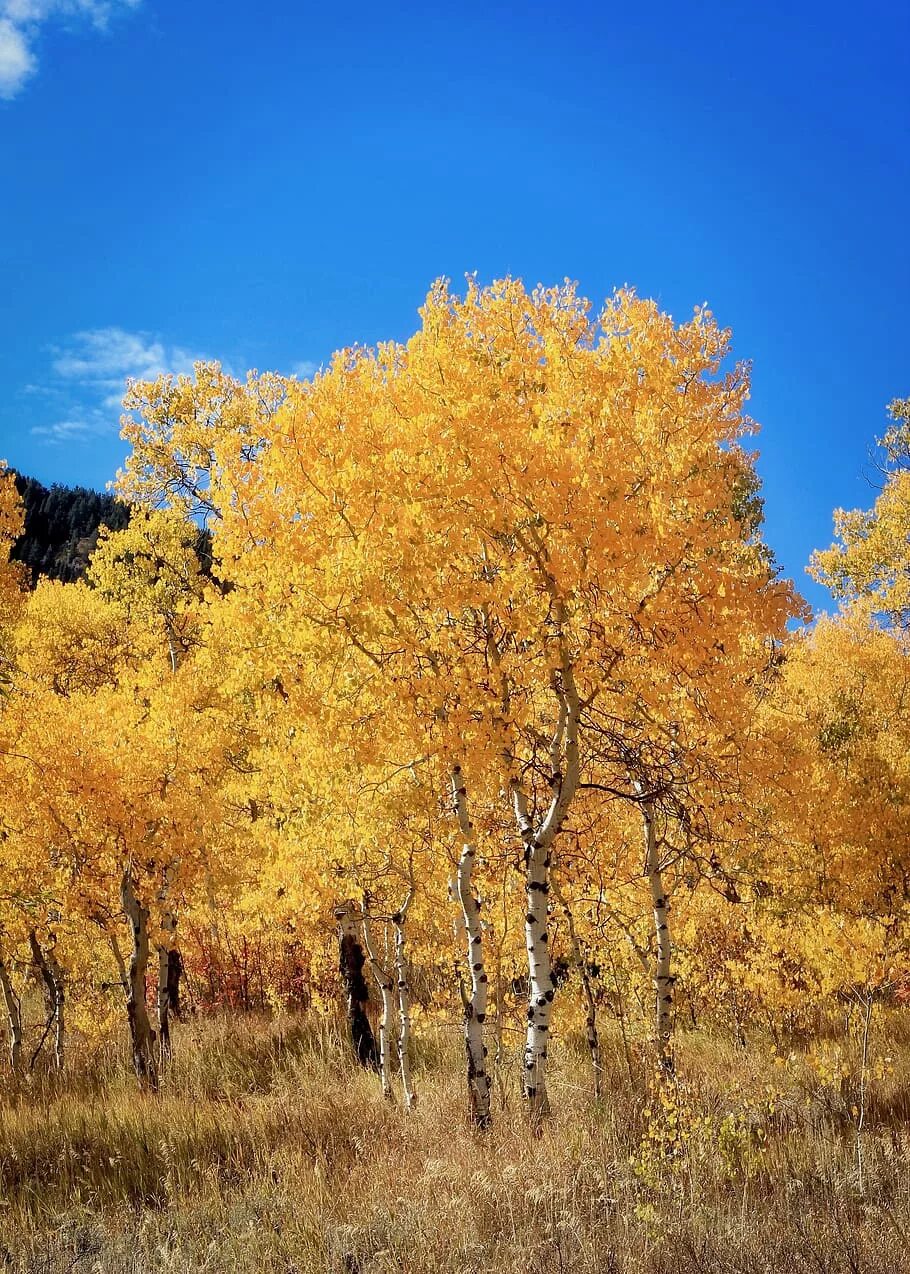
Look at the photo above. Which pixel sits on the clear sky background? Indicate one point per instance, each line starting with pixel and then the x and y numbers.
pixel 264 184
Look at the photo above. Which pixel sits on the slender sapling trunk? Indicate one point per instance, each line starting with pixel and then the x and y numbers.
pixel 540 975
pixel 590 1003
pixel 663 976
pixel 475 1005
pixel 404 1006
pixel 386 991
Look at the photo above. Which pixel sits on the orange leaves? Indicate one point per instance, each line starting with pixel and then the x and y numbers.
pixel 421 549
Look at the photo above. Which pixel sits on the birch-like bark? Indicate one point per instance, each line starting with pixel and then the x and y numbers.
pixel 404 1006
pixel 663 977
pixel 13 1018
pixel 351 962
pixel 386 1020
pixel 55 994
pixel 538 838
pixel 590 1003
pixel 540 974
pixel 475 1005
pixel 538 842
pixel 141 1033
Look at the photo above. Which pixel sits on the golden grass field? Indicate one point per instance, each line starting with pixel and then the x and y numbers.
pixel 267 1150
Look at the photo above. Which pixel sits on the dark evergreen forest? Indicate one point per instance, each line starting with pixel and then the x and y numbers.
pixel 61 527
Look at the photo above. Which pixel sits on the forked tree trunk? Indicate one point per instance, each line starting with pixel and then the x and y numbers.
pixel 13 1018
pixel 663 977
pixel 475 1005
pixel 386 1020
pixel 538 843
pixel 55 994
pixel 141 1033
pixel 351 962
pixel 404 1007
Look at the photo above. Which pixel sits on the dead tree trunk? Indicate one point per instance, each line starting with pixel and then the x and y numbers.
pixel 141 1033
pixel 351 961
pixel 54 993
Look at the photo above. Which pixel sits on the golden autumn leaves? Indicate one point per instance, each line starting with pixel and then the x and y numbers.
pixel 524 543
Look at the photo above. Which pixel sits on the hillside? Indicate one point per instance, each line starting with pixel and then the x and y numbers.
pixel 61 527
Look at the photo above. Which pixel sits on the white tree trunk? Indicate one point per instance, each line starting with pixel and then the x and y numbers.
pixel 386 1020
pixel 663 978
pixel 13 1017
pixel 475 1006
pixel 538 842
pixel 404 1007
pixel 538 837
pixel 537 943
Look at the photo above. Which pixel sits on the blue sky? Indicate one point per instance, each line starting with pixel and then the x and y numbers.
pixel 264 184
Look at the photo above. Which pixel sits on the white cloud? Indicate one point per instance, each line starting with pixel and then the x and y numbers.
pixel 17 62
pixel 305 369
pixel 68 430
pixel 108 355
pixel 88 374
pixel 31 12
pixel 20 26
pixel 105 357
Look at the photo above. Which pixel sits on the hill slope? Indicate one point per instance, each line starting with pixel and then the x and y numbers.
pixel 61 527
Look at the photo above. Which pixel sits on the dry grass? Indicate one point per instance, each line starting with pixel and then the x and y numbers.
pixel 268 1151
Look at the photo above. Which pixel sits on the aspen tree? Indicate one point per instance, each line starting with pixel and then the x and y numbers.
pixel 521 528
pixel 404 999
pixel 475 1005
